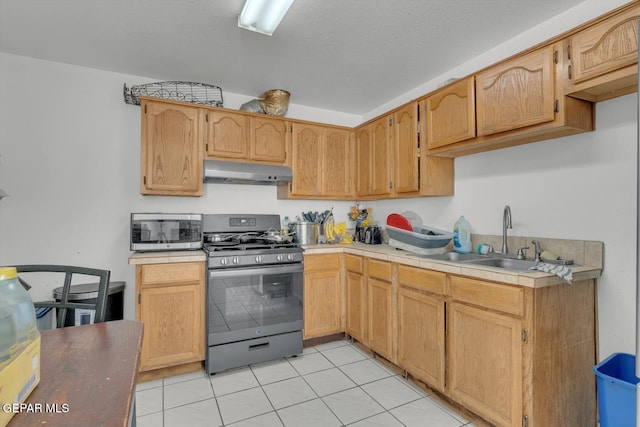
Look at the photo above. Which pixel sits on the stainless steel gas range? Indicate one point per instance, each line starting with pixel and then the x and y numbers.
pixel 254 291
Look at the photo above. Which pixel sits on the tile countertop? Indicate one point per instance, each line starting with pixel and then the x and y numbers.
pixel 533 279
pixel 163 257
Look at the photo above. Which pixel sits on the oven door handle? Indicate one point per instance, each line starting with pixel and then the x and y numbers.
pixel 238 272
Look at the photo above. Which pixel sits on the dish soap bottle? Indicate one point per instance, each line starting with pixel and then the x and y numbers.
pixel 462 236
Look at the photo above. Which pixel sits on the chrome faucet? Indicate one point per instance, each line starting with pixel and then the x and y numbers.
pixel 506 223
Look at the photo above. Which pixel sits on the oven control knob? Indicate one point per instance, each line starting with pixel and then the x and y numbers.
pixel 223 261
pixel 236 260
pixel 290 257
pixel 279 257
pixel 258 259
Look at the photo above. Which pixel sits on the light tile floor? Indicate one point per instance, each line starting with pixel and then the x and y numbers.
pixel 333 384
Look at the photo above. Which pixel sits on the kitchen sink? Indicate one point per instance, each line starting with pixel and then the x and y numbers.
pixel 492 260
pixel 455 257
pixel 506 263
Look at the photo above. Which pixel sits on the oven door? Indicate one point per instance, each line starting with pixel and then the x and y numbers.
pixel 246 303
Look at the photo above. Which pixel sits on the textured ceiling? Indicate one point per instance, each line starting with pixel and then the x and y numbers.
pixel 343 55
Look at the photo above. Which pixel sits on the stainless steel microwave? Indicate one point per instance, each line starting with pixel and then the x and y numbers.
pixel 165 231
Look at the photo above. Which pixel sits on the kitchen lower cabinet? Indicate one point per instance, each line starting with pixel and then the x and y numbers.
pixel 380 308
pixel 356 293
pixel 171 304
pixel 513 355
pixel 485 363
pixel 322 295
pixel 171 149
pixel 421 324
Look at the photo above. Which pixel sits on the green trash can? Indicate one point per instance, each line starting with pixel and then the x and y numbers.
pixel 616 383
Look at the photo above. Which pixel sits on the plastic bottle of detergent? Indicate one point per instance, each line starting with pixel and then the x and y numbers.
pixel 21 306
pixel 462 236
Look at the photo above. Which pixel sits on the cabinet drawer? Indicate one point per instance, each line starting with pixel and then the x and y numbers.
pixel 505 298
pixel 380 269
pixel 425 280
pixel 322 262
pixel 355 264
pixel 172 273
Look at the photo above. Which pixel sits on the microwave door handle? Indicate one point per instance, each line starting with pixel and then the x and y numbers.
pixel 294 268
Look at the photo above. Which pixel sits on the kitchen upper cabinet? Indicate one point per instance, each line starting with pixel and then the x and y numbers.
pixel 406 147
pixel 516 93
pixel 364 153
pixel 306 148
pixel 604 57
pixel 380 308
pixel 450 114
pixel 321 161
pixel 356 293
pixel 170 303
pixel 268 139
pixel 380 161
pixel 227 135
pixel 322 295
pixel 171 149
pixel 244 137
pixel 517 101
pixel 337 163
pixel 421 324
pixel 391 161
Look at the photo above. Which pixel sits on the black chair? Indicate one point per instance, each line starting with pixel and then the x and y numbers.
pixel 100 305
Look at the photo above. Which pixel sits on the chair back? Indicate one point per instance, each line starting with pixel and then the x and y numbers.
pixel 100 305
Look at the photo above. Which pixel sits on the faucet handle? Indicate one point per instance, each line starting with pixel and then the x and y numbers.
pixel 536 243
pixel 521 252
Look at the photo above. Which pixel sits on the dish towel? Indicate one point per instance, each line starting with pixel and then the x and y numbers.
pixel 561 271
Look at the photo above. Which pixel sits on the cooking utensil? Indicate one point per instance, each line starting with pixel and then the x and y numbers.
pixel 399 221
pixel 306 232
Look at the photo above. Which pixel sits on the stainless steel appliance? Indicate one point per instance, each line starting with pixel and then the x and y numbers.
pixel 254 291
pixel 165 231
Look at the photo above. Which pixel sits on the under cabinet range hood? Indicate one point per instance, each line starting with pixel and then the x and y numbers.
pixel 220 172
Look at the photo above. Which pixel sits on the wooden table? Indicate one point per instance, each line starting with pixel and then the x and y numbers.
pixel 90 372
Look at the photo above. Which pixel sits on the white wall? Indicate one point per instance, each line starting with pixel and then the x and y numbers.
pixel 69 149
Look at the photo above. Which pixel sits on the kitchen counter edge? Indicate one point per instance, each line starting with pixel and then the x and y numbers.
pixel 385 252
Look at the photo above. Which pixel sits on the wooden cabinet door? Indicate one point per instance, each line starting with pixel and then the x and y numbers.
pixel 171 155
pixel 268 140
pixel 227 135
pixel 306 147
pixel 605 47
pixel 364 156
pixel 356 294
pixel 171 306
pixel 516 93
pixel 484 359
pixel 450 114
pixel 406 154
pixel 381 157
pixel 380 316
pixel 322 295
pixel 421 336
pixel 337 165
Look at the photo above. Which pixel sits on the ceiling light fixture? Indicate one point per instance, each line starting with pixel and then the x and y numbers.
pixel 263 16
